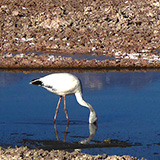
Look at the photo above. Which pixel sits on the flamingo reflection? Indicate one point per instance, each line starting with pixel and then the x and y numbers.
pixel 92 132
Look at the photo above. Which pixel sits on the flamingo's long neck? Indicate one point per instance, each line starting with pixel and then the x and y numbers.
pixel 82 102
pixel 92 117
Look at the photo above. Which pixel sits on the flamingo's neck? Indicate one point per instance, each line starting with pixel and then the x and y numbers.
pixel 92 117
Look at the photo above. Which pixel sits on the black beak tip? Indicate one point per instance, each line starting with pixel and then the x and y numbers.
pixel 36 82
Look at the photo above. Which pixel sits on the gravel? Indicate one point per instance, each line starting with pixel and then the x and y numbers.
pixel 28 154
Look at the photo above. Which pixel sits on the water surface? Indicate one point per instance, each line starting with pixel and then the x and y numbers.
pixel 127 105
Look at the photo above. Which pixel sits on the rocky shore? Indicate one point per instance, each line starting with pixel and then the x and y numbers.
pixel 27 154
pixel 127 31
pixel 50 61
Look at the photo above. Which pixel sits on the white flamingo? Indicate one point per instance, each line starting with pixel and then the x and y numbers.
pixel 64 84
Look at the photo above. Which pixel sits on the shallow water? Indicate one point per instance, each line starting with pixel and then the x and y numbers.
pixel 127 105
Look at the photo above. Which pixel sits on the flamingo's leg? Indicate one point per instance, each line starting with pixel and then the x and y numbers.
pixel 65 109
pixel 55 116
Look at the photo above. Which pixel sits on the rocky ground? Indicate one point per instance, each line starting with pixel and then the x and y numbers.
pixel 128 31
pixel 27 154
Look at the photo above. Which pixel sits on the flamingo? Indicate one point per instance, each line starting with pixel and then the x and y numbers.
pixel 64 84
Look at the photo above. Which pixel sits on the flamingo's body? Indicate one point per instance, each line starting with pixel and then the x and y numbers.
pixel 64 84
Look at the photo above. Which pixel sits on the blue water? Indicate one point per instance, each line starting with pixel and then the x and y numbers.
pixel 127 105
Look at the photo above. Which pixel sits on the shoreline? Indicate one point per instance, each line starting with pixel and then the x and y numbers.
pixel 50 61
pixel 26 153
